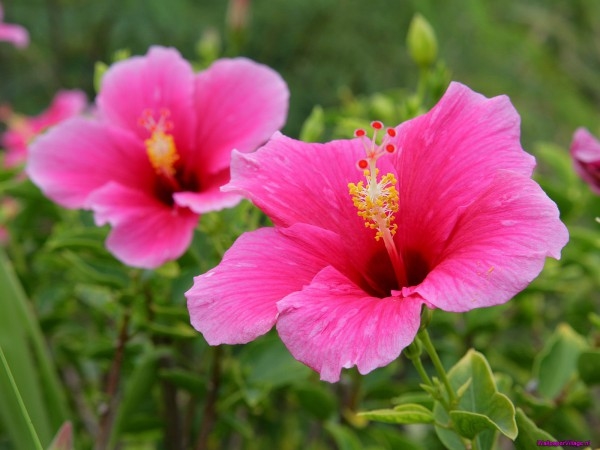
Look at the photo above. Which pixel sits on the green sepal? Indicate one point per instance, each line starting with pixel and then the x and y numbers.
pixel 401 414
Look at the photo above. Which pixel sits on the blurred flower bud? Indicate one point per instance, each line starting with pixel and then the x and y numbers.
pixel 99 70
pixel 209 46
pixel 237 15
pixel 383 107
pixel 421 41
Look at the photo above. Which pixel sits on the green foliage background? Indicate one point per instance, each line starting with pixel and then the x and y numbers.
pixel 349 57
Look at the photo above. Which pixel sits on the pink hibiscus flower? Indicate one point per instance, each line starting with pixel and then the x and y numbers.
pixel 15 34
pixel 22 130
pixel 157 152
pixel 447 216
pixel 585 151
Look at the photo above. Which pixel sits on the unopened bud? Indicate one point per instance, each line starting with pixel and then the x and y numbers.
pixel 421 41
pixel 100 69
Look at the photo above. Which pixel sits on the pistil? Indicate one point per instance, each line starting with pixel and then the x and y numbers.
pixel 160 147
pixel 377 201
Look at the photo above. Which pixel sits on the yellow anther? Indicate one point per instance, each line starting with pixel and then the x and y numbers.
pixel 376 203
pixel 162 152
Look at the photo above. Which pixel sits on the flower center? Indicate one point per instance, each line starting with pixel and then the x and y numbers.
pixel 160 147
pixel 377 199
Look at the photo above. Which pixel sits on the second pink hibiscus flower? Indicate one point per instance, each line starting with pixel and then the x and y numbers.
pixel 158 150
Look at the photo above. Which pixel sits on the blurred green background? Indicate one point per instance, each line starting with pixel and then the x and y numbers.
pixel 544 54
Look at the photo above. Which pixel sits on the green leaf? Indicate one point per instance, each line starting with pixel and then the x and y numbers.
pixel 271 364
pixel 420 398
pixel 28 435
pixel 313 126
pixel 461 390
pixel 529 433
pixel 594 319
pixel 79 238
pixel 184 379
pixel 469 424
pixel 405 414
pixel 136 390
pixel 33 369
pixel 317 400
pixel 344 437
pixel 557 362
pixel 178 330
pixel 101 273
pixel 588 366
pixel 480 397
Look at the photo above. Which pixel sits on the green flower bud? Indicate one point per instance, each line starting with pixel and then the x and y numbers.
pixel 208 47
pixel 421 41
pixel 99 69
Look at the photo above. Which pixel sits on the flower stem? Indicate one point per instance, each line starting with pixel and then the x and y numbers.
pixel 107 419
pixel 413 352
pixel 437 363
pixel 421 370
pixel 173 437
pixel 210 410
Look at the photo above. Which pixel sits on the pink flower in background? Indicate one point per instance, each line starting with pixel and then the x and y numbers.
pixel 447 216
pixel 15 34
pixel 22 129
pixel 158 151
pixel 585 151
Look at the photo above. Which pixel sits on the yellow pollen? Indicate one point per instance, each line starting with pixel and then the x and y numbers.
pixel 160 147
pixel 377 202
pixel 162 152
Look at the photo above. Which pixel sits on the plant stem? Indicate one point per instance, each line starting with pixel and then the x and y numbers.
pixel 112 385
pixel 173 435
pixel 421 370
pixel 210 410
pixel 25 414
pixel 435 359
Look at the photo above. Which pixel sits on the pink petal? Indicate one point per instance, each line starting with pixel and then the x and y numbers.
pixel 585 151
pixel 210 198
pixel 15 144
pixel 332 324
pixel 15 34
pixel 236 301
pixel 207 201
pixel 447 157
pixel 146 233
pixel 295 182
pixel 80 155
pixel 292 181
pixel 65 104
pixel 160 80
pixel 498 246
pixel 240 104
